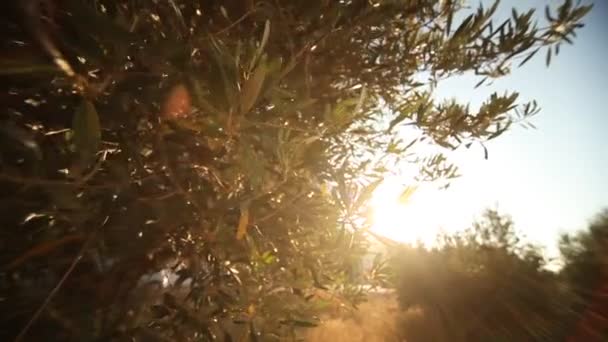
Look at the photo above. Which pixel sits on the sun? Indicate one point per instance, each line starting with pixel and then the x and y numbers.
pixel 408 220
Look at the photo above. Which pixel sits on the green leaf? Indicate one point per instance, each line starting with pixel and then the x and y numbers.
pixel 367 193
pixel 200 96
pixel 448 7
pixel 260 49
pixel 528 57
pixel 580 12
pixel 19 67
pixel 252 88
pixel 241 230
pixel 548 15
pixel 407 194
pixel 252 165
pixel 514 14
pixel 343 113
pixel 410 144
pixel 219 56
pixel 402 116
pixel 268 258
pixel 87 131
pixel 483 80
pixel 566 38
pixel 300 323
pixel 463 26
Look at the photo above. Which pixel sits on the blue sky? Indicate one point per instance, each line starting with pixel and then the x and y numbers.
pixel 552 179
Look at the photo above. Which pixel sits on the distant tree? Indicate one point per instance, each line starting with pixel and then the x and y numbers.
pixel 483 284
pixel 585 257
pixel 231 144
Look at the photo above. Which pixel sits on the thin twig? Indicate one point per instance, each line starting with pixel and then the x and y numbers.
pixel 95 169
pixel 52 182
pixel 44 248
pixel 243 17
pixel 57 287
pixel 158 197
pixel 286 127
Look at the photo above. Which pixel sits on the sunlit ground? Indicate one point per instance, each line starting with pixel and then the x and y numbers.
pixel 418 217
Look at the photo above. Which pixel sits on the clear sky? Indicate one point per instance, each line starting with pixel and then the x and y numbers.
pixel 552 179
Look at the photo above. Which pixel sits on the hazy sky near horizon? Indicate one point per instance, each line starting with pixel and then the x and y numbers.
pixel 552 179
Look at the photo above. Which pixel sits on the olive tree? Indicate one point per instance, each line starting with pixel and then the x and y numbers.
pixel 230 145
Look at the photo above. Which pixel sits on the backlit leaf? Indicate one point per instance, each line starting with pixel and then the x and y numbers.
pixel 401 117
pixel 260 50
pixel 448 7
pixel 407 194
pixel 367 192
pixel 241 230
pixel 529 57
pixel 252 88
pixel 463 26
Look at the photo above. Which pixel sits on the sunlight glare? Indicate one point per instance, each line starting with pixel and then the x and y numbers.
pixel 410 222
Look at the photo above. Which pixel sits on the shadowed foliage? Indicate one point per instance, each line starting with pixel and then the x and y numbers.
pixel 585 256
pixel 484 285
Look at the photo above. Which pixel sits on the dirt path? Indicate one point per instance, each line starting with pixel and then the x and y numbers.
pixel 375 321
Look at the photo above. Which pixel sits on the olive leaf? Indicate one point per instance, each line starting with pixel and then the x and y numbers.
pixel 407 194
pixel 252 87
pixel 367 192
pixel 87 131
pixel 241 230
pixel 260 50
